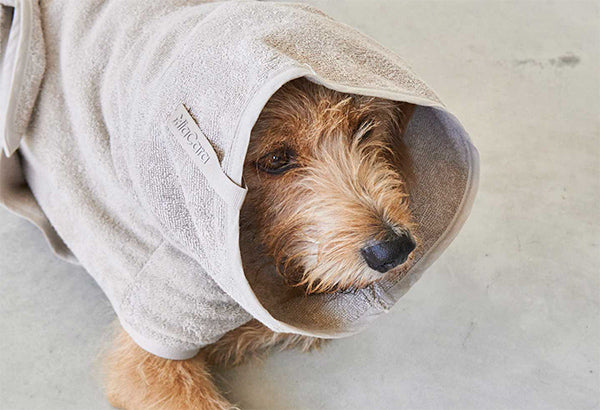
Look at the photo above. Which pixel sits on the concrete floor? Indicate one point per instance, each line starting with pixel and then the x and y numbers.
pixel 508 318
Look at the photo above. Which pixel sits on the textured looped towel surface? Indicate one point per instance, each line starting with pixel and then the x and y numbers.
pixel 147 199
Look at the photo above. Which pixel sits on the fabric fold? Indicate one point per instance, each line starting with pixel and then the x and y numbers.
pixel 23 65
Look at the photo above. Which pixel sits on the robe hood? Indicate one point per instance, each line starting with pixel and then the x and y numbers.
pixel 158 101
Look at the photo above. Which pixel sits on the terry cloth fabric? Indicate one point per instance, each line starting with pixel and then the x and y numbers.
pixel 125 124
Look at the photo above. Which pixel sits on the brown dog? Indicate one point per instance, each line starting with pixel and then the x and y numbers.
pixel 328 177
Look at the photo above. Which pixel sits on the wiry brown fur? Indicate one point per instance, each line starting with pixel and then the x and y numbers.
pixel 348 186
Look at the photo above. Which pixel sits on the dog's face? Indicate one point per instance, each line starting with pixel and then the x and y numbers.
pixel 327 176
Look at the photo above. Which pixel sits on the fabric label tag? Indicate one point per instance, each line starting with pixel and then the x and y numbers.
pixel 194 142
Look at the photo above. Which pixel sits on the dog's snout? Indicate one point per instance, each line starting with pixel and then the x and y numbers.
pixel 387 254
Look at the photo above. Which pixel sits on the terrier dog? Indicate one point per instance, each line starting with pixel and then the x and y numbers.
pixel 328 180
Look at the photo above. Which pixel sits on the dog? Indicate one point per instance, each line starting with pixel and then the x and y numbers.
pixel 328 180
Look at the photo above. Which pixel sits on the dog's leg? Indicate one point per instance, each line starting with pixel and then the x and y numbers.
pixel 138 380
pixel 253 338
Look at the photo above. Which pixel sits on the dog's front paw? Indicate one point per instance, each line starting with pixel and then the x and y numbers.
pixel 138 380
pixel 177 385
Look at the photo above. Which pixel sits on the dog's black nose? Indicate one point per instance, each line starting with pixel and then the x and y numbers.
pixel 385 255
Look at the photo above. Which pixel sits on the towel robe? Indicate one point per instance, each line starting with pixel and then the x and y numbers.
pixel 124 125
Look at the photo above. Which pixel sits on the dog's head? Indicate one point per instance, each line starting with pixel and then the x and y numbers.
pixel 328 176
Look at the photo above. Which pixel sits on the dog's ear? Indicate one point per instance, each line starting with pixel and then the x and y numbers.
pixel 406 111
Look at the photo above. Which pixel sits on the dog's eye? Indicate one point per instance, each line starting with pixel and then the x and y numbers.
pixel 276 162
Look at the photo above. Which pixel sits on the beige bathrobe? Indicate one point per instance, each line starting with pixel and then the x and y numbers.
pixel 124 126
